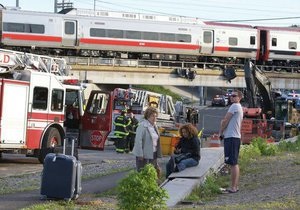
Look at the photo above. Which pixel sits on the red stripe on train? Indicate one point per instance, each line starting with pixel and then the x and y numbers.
pixel 26 37
pixel 221 49
pixel 140 44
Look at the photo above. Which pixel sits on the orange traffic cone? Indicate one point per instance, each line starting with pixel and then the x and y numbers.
pixel 215 141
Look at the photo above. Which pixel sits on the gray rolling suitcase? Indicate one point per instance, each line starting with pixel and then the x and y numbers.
pixel 61 176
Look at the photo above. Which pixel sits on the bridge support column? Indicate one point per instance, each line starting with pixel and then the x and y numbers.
pixel 202 95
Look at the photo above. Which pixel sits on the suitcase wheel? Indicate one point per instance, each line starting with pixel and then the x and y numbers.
pixel 75 197
pixel 43 197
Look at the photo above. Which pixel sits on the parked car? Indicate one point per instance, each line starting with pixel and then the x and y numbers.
pixel 219 100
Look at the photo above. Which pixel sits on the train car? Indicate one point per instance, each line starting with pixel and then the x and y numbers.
pixel 142 36
pixel 23 29
pixel 233 40
pixel 280 46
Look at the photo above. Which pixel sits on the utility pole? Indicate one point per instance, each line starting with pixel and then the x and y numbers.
pixel 62 5
pixel 17 3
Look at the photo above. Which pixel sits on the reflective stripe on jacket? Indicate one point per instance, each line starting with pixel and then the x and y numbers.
pixel 121 123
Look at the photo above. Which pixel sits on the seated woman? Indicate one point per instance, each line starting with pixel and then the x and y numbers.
pixel 189 145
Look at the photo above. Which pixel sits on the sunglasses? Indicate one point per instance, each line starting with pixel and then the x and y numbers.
pixel 233 95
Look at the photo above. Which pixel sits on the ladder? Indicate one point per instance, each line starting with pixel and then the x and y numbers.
pixel 11 61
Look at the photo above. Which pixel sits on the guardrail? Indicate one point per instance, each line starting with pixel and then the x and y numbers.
pixel 91 61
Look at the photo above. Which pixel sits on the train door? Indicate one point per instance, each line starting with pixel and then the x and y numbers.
pixel 207 46
pixel 97 120
pixel 263 45
pixel 69 33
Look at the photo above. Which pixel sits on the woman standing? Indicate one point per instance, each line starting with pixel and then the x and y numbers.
pixel 147 143
pixel 187 147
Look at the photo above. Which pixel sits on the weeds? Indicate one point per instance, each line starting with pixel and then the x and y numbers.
pixel 248 153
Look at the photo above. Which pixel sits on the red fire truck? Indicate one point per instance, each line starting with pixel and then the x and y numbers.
pixel 41 104
pixel 103 107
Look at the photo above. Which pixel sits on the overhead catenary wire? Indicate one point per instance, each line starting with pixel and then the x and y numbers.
pixel 197 5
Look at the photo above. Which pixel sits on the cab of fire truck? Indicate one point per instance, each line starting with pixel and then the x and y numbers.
pixel 103 107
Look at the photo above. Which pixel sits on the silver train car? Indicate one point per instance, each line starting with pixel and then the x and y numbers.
pixel 143 36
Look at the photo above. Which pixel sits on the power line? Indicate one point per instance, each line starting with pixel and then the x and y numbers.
pixel 259 19
pixel 202 5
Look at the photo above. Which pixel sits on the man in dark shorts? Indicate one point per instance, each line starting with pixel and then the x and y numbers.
pixel 230 130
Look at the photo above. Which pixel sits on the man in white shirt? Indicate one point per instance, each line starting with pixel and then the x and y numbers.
pixel 230 131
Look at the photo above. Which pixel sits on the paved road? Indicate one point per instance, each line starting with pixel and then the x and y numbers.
pixel 209 119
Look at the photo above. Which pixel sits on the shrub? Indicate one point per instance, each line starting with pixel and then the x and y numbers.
pixel 248 152
pixel 265 148
pixel 139 190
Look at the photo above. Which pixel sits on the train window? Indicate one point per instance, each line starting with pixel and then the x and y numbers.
pixel 252 40
pixel 293 45
pixel 150 36
pixel 233 41
pixel 35 28
pixel 57 100
pixel 97 32
pixel 183 38
pixel 14 27
pixel 69 27
pixel 115 33
pixel 167 37
pixel 207 37
pixel 40 98
pixel 133 34
pixel 274 42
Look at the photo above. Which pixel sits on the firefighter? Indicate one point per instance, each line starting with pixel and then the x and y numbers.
pixel 121 131
pixel 132 131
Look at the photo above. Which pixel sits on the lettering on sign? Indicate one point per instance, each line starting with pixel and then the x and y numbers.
pixel 96 138
pixel 4 58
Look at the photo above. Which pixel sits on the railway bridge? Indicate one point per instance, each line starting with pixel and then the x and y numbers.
pixel 150 72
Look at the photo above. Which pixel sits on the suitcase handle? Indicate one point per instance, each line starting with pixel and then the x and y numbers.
pixel 72 148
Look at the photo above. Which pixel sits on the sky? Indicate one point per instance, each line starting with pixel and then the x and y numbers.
pixel 252 12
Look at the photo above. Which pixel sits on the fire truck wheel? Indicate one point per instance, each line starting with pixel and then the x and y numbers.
pixel 51 139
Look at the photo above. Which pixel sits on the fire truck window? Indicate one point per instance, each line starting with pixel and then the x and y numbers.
pixel 72 98
pixel 99 104
pixel 57 100
pixel 40 98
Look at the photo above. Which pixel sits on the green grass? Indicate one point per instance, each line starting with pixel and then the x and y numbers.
pixel 159 89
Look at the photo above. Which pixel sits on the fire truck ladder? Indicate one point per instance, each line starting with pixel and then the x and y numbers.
pixel 14 60
pixel 140 97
